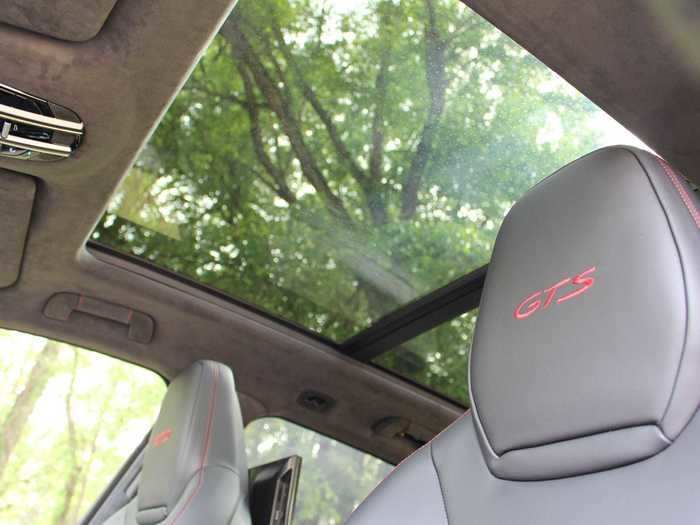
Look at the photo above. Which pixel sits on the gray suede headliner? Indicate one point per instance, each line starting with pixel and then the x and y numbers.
pixel 637 59
pixel 16 203
pixel 121 81
pixel 76 20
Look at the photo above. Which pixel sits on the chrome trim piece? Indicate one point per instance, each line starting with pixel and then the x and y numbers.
pixel 41 121
pixel 35 146
pixel 31 131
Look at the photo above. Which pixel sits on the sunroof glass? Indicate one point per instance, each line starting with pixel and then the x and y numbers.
pixel 437 358
pixel 331 161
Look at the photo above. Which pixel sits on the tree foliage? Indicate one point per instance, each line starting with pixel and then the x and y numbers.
pixel 329 162
pixel 69 418
pixel 335 478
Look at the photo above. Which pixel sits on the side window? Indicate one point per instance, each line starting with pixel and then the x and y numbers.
pixel 69 418
pixel 335 478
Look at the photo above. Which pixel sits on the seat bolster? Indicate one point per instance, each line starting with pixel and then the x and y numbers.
pixel 214 497
pixel 412 498
pixel 124 516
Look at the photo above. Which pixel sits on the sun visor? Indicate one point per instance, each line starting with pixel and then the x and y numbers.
pixel 74 20
pixel 16 202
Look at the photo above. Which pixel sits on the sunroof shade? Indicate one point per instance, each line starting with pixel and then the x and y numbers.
pixel 331 161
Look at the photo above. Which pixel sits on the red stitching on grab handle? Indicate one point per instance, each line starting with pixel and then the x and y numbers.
pixel 687 200
pixel 207 442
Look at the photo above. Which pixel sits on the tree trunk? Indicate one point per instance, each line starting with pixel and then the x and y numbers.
pixel 97 429
pixel 279 104
pixel 73 445
pixel 435 73
pixel 23 406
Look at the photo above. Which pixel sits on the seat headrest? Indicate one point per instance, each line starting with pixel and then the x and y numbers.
pixel 199 429
pixel 586 354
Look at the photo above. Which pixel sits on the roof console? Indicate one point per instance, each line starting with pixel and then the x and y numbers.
pixel 32 128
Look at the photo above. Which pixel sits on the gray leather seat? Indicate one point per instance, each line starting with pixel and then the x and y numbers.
pixel 194 467
pixel 585 368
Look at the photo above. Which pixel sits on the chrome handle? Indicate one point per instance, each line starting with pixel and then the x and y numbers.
pixel 36 146
pixel 40 121
pixel 32 128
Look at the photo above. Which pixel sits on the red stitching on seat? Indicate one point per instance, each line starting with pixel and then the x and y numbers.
pixel 687 200
pixel 207 442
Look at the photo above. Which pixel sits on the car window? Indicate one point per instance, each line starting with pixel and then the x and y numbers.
pixel 69 418
pixel 335 478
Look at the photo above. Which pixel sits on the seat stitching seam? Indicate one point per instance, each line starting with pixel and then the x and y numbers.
pixel 188 437
pixel 442 491
pixel 207 443
pixel 676 242
pixel 689 204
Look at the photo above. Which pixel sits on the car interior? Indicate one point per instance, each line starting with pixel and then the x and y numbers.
pixel 317 262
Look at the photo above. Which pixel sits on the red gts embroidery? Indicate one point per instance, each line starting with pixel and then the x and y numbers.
pixel 161 438
pixel 582 282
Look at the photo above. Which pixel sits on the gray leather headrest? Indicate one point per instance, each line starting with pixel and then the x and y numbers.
pixel 196 450
pixel 587 349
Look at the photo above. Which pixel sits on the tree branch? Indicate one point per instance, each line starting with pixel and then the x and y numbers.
pixel 367 184
pixel 376 202
pixel 244 52
pixel 377 153
pixel 228 97
pixel 74 446
pixel 24 404
pixel 437 85
pixel 280 185
pixel 312 98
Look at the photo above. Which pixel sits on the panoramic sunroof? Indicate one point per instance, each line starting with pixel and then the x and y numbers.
pixel 331 161
pixel 437 358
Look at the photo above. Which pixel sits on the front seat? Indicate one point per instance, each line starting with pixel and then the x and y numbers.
pixel 585 368
pixel 194 466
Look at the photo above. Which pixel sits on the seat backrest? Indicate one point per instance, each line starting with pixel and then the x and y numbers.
pixel 585 366
pixel 194 466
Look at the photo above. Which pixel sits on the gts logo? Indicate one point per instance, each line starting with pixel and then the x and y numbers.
pixel 543 299
pixel 162 438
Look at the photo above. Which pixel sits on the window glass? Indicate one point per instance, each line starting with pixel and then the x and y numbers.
pixel 331 160
pixel 335 478
pixel 437 358
pixel 69 419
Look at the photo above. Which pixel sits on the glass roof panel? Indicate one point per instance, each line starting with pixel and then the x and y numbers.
pixel 438 358
pixel 330 161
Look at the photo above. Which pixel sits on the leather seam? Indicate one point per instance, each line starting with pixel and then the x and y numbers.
pixel 586 436
pixel 188 438
pixel 236 506
pixel 479 427
pixel 695 214
pixel 683 277
pixel 529 446
pixel 442 490
pixel 207 443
